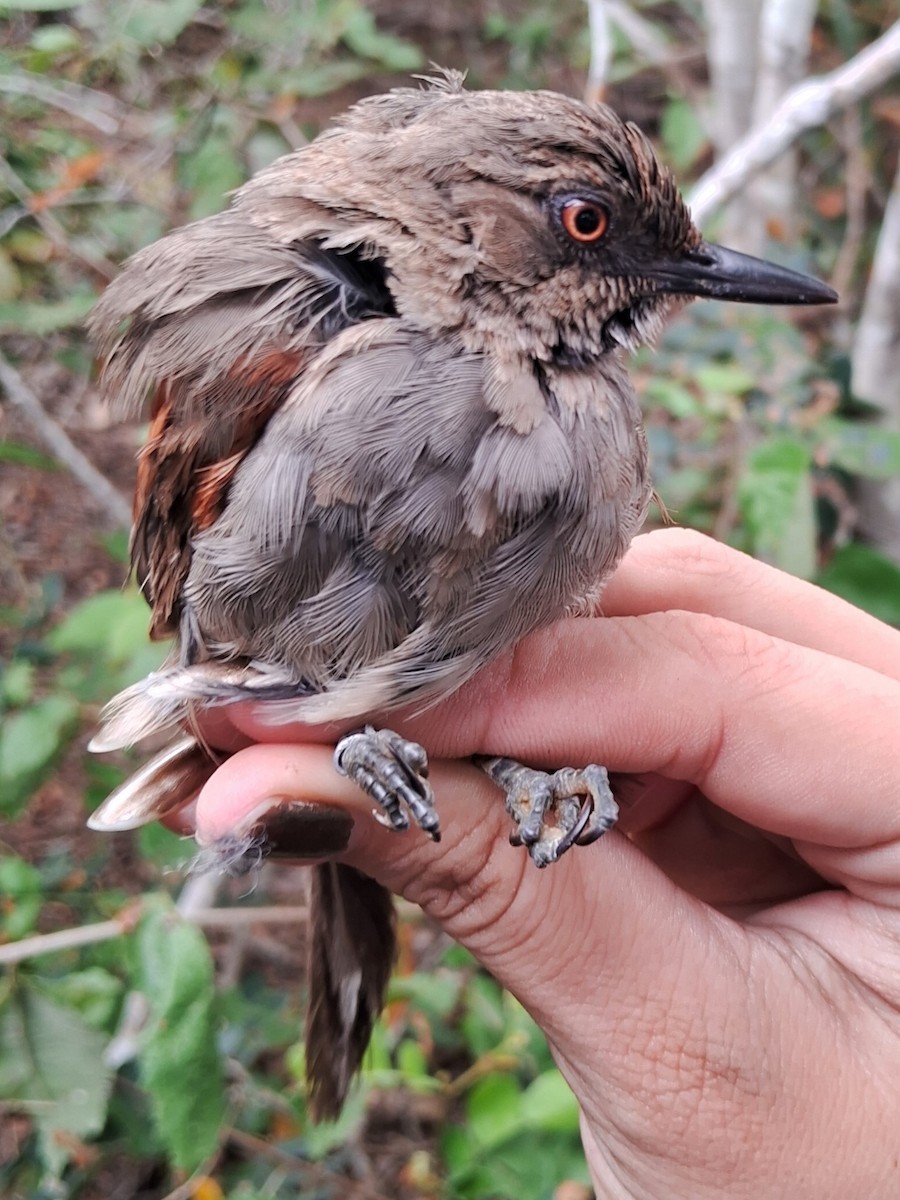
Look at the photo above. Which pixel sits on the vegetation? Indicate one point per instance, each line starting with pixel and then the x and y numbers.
pixel 159 1056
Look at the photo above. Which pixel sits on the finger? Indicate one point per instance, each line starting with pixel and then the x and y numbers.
pixel 682 569
pixel 532 929
pixel 788 739
pixel 785 738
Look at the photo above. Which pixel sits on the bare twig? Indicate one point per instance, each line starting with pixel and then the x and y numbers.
pixel 808 105
pixel 857 176
pixel 649 44
pixel 105 931
pixel 601 50
pixel 14 213
pixel 60 445
pixel 256 1147
pixel 198 894
pixel 644 37
pixel 63 939
pixel 95 108
pixel 51 227
pixel 263 914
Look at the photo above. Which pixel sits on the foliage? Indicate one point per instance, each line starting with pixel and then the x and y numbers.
pixel 121 120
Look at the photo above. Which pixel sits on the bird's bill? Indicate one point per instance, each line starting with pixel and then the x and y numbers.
pixel 722 274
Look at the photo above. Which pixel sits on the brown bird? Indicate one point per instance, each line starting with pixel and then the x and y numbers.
pixel 391 432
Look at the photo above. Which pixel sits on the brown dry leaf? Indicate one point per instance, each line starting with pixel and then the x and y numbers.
pixel 887 108
pixel 75 175
pixel 830 202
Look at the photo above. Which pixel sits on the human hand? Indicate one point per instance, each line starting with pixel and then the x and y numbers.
pixel 719 979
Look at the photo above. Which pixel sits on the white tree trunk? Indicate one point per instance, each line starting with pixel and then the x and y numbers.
pixel 876 372
pixel 784 42
pixel 731 50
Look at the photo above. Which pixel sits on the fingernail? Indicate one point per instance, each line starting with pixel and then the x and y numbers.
pixel 276 828
pixel 295 829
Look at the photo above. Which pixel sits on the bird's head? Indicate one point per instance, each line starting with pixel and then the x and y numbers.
pixel 526 222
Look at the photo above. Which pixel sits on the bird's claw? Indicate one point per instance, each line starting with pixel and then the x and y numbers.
pixel 554 812
pixel 394 773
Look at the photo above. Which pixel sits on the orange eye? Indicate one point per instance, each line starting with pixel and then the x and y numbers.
pixel 584 221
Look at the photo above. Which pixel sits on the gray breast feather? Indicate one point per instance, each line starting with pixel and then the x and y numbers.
pixel 410 532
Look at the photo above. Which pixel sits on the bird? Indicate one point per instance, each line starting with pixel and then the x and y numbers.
pixel 391 432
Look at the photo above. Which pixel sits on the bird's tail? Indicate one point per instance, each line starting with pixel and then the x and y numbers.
pixel 168 698
pixel 352 944
pixel 352 936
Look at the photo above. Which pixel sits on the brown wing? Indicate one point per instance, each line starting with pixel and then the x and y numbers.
pixel 215 322
pixel 186 467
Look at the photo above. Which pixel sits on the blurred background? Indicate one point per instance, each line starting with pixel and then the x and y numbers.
pixel 149 1022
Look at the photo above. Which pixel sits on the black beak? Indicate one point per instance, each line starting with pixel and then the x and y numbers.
pixel 711 270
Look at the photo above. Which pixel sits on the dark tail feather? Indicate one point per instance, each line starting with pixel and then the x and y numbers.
pixel 351 952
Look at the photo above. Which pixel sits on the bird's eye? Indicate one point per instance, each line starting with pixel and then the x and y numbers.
pixel 583 220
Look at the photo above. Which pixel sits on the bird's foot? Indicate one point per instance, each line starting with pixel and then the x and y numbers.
pixel 394 773
pixel 555 811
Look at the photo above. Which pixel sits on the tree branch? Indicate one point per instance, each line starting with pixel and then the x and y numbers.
pixel 808 105
pixel 60 445
pixel 107 931
pixel 601 50
pixel 95 108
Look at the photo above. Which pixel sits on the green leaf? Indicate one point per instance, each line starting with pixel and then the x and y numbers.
pixel 682 133
pixel 10 278
pixel 328 1136
pixel 411 1061
pixel 391 53
pixel 93 993
pixel 29 741
pixel 435 992
pixel 55 39
pixel 179 1061
pixel 41 319
pixel 34 5
pixel 112 623
pixel 860 449
pixel 865 578
pixel 16 683
pixel 162 847
pixel 674 397
pixel 494 1110
pixel 724 378
pixel 22 897
pixel 51 1066
pixel 549 1105
pixel 158 21
pixel 776 499
pixel 457 1150
pixel 212 171
pixel 483 1022
pixel 15 452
